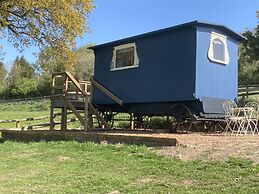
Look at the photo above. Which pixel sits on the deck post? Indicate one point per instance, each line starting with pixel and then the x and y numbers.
pixel 52 124
pixel 64 117
pixel 86 114
pixel 64 109
pixel 132 121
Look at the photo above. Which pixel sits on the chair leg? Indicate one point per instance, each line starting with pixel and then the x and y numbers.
pixel 241 127
pixel 228 126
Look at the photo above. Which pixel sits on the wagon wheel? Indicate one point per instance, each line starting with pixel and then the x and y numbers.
pixel 207 125
pixel 214 126
pixel 221 126
pixel 142 121
pixel 108 116
pixel 183 118
pixel 183 124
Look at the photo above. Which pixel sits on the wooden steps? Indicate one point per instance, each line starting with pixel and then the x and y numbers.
pixel 74 95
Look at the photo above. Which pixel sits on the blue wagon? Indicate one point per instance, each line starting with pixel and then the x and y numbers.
pixel 185 71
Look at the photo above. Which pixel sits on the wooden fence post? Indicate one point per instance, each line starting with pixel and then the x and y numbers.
pixel 17 124
pixel 247 90
pixel 132 123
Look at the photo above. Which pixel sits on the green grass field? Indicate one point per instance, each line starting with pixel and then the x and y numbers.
pixel 16 111
pixel 71 167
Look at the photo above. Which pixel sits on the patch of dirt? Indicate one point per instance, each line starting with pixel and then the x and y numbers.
pixel 63 158
pixel 114 192
pixel 205 146
pixel 213 147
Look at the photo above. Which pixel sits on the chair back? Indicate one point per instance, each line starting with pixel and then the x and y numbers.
pixel 254 109
pixel 228 106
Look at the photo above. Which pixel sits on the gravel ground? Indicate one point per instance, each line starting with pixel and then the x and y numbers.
pixel 205 146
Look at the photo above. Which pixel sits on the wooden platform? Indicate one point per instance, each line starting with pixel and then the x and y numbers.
pixel 82 136
pixel 61 104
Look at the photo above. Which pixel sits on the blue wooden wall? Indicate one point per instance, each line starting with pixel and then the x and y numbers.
pixel 166 69
pixel 214 79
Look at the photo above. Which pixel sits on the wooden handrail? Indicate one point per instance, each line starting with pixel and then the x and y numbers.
pixel 73 109
pixel 105 91
pixel 76 83
pixel 70 85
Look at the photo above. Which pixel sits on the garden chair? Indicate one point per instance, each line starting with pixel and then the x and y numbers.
pixel 233 119
pixel 252 117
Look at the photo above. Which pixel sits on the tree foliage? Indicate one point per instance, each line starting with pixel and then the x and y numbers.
pixel 85 63
pixel 24 86
pixel 46 64
pixel 21 69
pixel 46 23
pixel 22 78
pixel 3 77
pixel 249 56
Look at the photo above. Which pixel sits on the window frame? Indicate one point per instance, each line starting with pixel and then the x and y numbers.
pixel 124 46
pixel 223 39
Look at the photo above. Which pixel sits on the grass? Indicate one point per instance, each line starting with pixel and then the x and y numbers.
pixel 43 105
pixel 33 109
pixel 71 167
pixel 24 110
pixel 14 111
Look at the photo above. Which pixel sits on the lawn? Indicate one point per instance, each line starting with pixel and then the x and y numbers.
pixel 33 109
pixel 72 167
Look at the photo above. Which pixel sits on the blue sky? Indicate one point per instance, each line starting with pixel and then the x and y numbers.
pixel 116 19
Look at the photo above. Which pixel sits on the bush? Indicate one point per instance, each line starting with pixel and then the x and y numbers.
pixel 44 86
pixel 242 101
pixel 24 87
pixel 159 123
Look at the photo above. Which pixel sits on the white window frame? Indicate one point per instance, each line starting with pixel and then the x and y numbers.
pixel 124 46
pixel 222 38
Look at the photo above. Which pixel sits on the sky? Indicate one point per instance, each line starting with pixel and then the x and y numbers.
pixel 116 19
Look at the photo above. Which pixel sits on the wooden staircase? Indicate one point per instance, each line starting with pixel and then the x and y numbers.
pixel 69 94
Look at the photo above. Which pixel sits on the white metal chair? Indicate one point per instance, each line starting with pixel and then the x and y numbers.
pixel 233 120
pixel 252 117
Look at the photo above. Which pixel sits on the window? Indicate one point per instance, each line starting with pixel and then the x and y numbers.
pixel 124 57
pixel 218 51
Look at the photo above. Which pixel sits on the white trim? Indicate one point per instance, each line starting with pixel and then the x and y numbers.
pixel 121 68
pixel 222 38
pixel 124 46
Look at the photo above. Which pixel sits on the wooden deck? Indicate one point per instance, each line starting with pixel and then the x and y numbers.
pixel 71 94
pixel 61 104
pixel 113 137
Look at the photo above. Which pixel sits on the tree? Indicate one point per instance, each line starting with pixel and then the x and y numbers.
pixel 46 23
pixel 3 76
pixel 251 44
pixel 24 86
pixel 46 64
pixel 22 78
pixel 249 56
pixel 85 62
pixel 20 69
